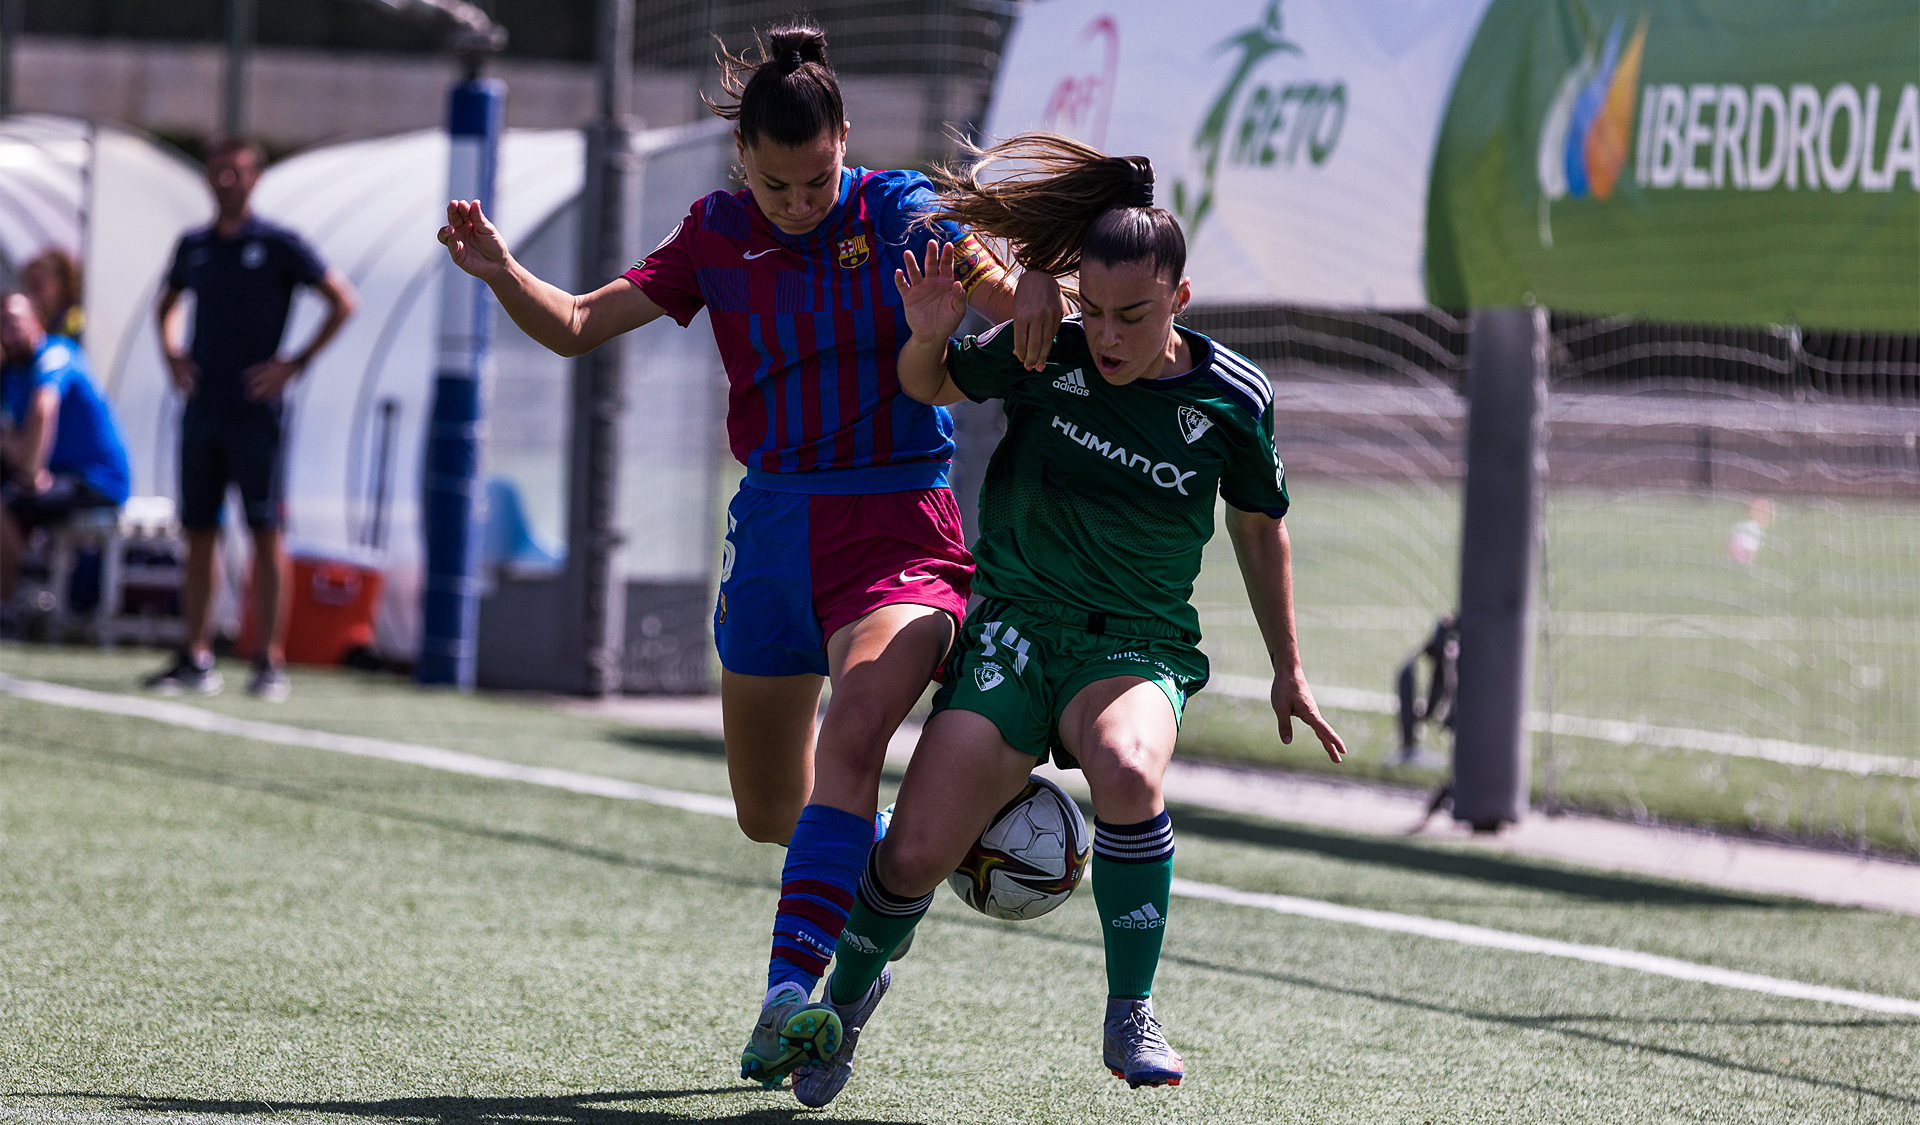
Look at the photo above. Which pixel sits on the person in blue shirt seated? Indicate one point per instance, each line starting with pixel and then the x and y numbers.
pixel 60 449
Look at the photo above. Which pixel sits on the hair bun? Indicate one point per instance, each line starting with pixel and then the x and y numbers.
pixel 793 46
pixel 1141 193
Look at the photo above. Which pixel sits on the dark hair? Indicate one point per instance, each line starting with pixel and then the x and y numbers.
pixel 1067 202
pixel 64 317
pixel 227 146
pixel 788 93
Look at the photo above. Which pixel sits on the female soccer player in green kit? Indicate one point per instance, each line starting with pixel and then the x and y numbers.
pixel 1093 514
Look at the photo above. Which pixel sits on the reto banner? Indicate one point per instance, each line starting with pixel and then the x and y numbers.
pixel 1292 138
pixel 1720 161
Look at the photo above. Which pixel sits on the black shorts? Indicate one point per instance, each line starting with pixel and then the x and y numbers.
pixel 219 449
pixel 65 496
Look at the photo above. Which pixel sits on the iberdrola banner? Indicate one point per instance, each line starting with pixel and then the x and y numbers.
pixel 1729 161
pixel 1292 137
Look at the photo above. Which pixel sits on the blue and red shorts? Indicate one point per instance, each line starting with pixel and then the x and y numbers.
pixel 798 567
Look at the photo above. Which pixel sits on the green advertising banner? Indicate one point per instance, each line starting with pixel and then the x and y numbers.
pixel 1712 161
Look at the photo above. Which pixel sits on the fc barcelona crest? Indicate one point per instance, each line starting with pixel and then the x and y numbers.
pixel 854 252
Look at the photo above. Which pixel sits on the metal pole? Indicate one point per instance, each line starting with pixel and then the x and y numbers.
pixel 10 24
pixel 450 600
pixel 233 120
pixel 1506 372
pixel 594 592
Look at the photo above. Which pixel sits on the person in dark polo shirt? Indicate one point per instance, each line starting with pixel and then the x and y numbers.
pixel 243 272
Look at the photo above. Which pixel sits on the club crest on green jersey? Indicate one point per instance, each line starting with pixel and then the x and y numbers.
pixel 988 676
pixel 1193 423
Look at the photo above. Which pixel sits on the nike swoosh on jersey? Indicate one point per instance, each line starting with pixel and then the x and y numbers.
pixel 758 254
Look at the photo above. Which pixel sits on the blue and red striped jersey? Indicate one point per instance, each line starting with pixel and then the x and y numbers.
pixel 809 327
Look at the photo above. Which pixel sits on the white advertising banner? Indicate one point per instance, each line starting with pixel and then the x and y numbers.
pixel 1292 137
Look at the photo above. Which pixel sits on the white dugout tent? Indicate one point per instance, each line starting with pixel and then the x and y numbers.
pixel 358 418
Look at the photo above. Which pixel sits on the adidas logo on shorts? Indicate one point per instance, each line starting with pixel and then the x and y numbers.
pixel 862 944
pixel 1144 917
pixel 1073 382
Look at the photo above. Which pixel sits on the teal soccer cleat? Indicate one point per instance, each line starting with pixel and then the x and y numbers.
pixel 789 1033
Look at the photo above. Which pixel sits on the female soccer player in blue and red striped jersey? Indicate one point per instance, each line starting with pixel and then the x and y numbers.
pixel 844 553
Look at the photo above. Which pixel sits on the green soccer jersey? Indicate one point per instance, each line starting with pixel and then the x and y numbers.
pixel 1100 498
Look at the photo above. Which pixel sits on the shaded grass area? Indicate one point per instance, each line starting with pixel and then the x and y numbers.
pixel 203 928
pixel 1646 618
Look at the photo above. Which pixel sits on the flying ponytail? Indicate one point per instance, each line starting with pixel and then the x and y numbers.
pixel 786 93
pixel 1064 202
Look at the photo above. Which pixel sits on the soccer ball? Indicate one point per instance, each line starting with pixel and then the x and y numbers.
pixel 1030 857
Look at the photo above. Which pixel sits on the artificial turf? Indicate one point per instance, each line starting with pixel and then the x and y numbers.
pixel 1643 617
pixel 203 928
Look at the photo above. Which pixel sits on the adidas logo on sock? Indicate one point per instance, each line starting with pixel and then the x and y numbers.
pixel 860 943
pixel 1073 382
pixel 1143 917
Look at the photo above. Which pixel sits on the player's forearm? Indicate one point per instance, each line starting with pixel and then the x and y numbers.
pixel 922 367
pixel 545 312
pixel 341 305
pixel 172 322
pixel 1266 565
pixel 993 298
pixel 36 435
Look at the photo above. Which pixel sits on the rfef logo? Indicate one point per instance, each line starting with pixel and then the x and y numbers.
pixel 1082 100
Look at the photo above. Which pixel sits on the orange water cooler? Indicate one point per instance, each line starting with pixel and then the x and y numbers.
pixel 333 600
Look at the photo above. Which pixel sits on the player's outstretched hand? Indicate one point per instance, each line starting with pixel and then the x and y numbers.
pixel 1293 699
pixel 473 241
pixel 935 302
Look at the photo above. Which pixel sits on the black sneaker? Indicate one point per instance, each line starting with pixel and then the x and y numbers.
pixel 184 677
pixel 269 683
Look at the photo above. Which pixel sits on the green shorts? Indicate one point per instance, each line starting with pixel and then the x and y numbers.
pixel 1021 669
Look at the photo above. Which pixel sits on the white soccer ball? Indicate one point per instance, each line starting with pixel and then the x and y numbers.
pixel 1030 857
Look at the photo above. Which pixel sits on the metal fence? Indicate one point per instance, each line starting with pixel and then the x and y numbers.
pixel 1728 626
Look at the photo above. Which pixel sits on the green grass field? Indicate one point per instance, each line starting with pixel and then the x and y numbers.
pixel 1816 641
pixel 201 928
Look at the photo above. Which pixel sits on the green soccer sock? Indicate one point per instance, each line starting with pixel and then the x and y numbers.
pixel 1132 881
pixel 879 922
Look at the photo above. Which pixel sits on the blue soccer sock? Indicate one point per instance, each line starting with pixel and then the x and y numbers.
pixel 824 861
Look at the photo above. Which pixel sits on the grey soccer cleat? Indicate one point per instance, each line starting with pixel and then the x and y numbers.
pixel 790 1032
pixel 816 1085
pixel 1133 1047
pixel 269 683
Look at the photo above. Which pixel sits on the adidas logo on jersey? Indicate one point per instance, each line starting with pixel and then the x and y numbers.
pixel 1073 382
pixel 1143 917
pixel 1193 423
pixel 864 945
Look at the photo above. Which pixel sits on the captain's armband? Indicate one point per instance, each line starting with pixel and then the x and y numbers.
pixel 974 262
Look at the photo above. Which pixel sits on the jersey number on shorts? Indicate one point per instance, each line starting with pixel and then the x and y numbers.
pixel 1013 641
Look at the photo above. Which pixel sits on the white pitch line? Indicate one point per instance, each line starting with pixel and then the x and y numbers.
pixel 1526 943
pixel 432 757
pixel 1620 732
pixel 473 765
